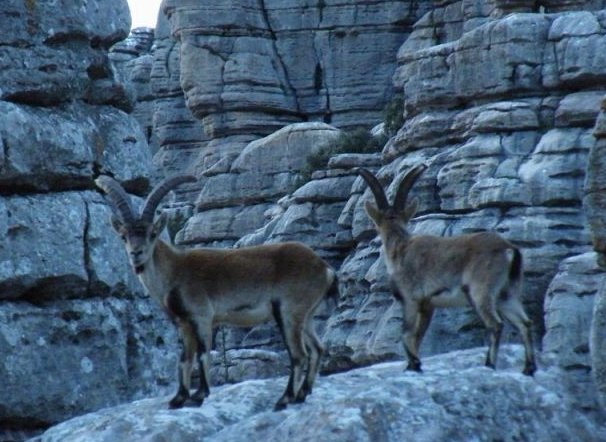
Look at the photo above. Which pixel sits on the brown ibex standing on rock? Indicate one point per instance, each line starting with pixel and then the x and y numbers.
pixel 202 288
pixel 481 269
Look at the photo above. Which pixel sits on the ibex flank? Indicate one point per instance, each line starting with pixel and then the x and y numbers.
pixel 481 269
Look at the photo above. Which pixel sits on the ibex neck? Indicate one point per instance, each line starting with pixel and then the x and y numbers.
pixel 156 277
pixel 395 239
pixel 394 233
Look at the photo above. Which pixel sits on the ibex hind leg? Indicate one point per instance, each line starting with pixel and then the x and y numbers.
pixel 204 344
pixel 484 306
pixel 511 308
pixel 292 334
pixel 315 350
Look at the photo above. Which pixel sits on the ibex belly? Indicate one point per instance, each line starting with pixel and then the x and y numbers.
pixel 454 297
pixel 245 315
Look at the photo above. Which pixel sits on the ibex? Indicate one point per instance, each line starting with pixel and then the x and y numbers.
pixel 202 288
pixel 480 269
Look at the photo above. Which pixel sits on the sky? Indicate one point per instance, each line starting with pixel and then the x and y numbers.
pixel 144 12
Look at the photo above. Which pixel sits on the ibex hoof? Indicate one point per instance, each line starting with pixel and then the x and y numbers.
pixel 177 402
pixel 196 400
pixel 529 369
pixel 302 394
pixel 280 405
pixel 414 366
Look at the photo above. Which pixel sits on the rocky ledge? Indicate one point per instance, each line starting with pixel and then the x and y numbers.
pixel 455 399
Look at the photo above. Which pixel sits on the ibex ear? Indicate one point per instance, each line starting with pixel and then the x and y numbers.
pixel 159 224
pixel 117 224
pixel 411 209
pixel 373 211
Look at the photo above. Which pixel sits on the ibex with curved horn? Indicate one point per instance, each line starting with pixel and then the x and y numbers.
pixel 202 288
pixel 480 269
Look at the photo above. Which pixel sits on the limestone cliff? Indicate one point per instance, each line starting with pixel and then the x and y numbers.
pixel 75 333
pixel 500 100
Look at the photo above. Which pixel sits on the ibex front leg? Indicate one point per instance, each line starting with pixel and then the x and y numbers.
pixel 185 366
pixel 204 343
pixel 416 321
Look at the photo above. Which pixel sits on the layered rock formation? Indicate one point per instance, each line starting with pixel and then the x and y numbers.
pixel 75 333
pixel 248 68
pixel 595 206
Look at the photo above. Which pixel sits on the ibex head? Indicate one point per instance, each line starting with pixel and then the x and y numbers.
pixel 401 211
pixel 139 232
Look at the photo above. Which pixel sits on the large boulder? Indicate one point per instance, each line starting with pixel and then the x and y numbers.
pixel 63 147
pixel 69 357
pixel 595 206
pixel 573 289
pixel 49 58
pixel 455 399
pixel 234 202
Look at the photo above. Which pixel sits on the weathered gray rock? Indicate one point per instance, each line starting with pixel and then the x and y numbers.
pixel 75 334
pixel 597 343
pixel 69 357
pixel 177 139
pixel 248 69
pixel 527 52
pixel 222 225
pixel 573 289
pixel 594 204
pixel 594 201
pixel 60 246
pixel 454 399
pixel 61 148
pixel 316 79
pixel 49 58
pixel 233 203
pixel 132 61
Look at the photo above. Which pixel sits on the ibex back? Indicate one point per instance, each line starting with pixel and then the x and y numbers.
pixel 202 288
pixel 482 270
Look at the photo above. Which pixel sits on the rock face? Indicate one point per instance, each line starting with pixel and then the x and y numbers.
pixel 249 68
pixel 64 55
pixel 573 289
pixel 454 399
pixel 132 62
pixel 500 99
pixel 76 333
pixel 595 206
